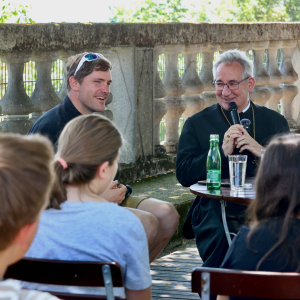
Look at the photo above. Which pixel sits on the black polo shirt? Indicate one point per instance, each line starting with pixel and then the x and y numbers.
pixel 53 121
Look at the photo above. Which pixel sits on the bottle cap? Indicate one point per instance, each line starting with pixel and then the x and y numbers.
pixel 214 137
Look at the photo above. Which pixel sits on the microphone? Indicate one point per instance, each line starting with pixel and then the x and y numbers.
pixel 234 113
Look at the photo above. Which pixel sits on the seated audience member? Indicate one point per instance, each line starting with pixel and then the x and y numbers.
pixel 272 242
pixel 80 224
pixel 26 177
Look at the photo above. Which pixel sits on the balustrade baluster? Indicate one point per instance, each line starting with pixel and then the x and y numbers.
pixel 160 107
pixel 16 105
pixel 289 76
pixel 206 75
pixel 275 75
pixel 261 93
pixel 194 86
pixel 44 96
pixel 174 89
pixel 64 55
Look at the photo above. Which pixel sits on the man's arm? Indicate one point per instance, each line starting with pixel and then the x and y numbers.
pixel 115 193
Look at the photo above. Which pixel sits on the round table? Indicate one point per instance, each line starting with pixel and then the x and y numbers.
pixel 225 193
pixel 243 197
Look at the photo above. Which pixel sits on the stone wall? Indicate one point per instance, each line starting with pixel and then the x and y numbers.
pixel 139 99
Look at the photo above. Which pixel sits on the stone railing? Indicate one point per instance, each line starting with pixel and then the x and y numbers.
pixel 139 98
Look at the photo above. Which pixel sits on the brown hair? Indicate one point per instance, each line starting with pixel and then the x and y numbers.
pixel 99 64
pixel 26 176
pixel 278 191
pixel 85 143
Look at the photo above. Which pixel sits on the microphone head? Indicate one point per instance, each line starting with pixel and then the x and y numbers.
pixel 245 122
pixel 232 106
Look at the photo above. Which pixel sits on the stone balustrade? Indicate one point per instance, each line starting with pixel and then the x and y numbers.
pixel 139 98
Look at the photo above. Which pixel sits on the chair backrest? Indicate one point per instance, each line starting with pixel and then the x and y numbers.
pixel 252 284
pixel 70 273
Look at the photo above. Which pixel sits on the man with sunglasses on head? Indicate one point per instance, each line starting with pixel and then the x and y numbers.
pixel 89 79
pixel 233 81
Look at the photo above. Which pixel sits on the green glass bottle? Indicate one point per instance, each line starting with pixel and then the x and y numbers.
pixel 213 164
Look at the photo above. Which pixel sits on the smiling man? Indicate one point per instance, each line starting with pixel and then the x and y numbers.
pixel 233 81
pixel 89 79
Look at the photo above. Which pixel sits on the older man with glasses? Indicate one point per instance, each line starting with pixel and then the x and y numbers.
pixel 89 79
pixel 233 81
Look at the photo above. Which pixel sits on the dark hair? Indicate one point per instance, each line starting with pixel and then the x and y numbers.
pixel 99 64
pixel 85 143
pixel 278 190
pixel 26 177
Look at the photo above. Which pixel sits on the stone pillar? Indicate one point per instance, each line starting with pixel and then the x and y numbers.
pixel 289 77
pixel 246 47
pixel 276 91
pixel 160 107
pixel 262 78
pixel 206 75
pixel 16 105
pixel 174 89
pixel 194 86
pixel 44 96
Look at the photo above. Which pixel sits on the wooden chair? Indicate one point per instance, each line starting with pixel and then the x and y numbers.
pixel 252 284
pixel 71 273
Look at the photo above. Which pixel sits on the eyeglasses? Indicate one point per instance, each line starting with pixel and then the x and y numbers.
pixel 232 85
pixel 87 57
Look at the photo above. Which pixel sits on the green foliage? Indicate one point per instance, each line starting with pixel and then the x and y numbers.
pixel 14 13
pixel 150 11
pixel 293 9
pixel 208 11
pixel 261 11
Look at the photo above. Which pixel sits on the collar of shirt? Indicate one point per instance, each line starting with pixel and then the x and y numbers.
pixel 247 107
pixel 70 108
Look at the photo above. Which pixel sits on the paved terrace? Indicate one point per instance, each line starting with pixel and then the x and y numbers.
pixel 171 274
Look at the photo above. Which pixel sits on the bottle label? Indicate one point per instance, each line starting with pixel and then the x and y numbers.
pixel 213 177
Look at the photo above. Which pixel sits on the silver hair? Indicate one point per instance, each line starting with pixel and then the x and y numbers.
pixel 230 57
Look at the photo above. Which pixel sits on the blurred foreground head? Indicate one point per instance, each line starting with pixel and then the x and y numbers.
pixel 278 181
pixel 26 176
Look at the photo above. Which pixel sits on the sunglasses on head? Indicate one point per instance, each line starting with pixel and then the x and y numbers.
pixel 87 57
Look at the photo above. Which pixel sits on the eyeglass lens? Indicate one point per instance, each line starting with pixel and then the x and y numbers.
pixel 231 85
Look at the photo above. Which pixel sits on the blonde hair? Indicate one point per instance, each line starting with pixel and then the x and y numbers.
pixel 85 143
pixel 26 176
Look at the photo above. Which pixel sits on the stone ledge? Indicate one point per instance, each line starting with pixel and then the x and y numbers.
pixel 68 36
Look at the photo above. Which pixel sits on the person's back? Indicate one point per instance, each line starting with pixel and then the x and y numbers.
pixel 272 242
pixel 94 232
pixel 80 224
pixel 26 177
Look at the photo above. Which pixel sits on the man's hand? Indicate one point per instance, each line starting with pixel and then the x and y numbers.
pixel 230 136
pixel 115 193
pixel 246 142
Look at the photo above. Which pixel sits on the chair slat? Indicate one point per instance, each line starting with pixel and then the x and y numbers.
pixel 252 284
pixel 70 273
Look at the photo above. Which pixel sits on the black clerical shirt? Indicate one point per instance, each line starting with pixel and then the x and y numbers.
pixel 193 144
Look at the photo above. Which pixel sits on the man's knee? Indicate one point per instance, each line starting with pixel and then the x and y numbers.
pixel 150 224
pixel 166 212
